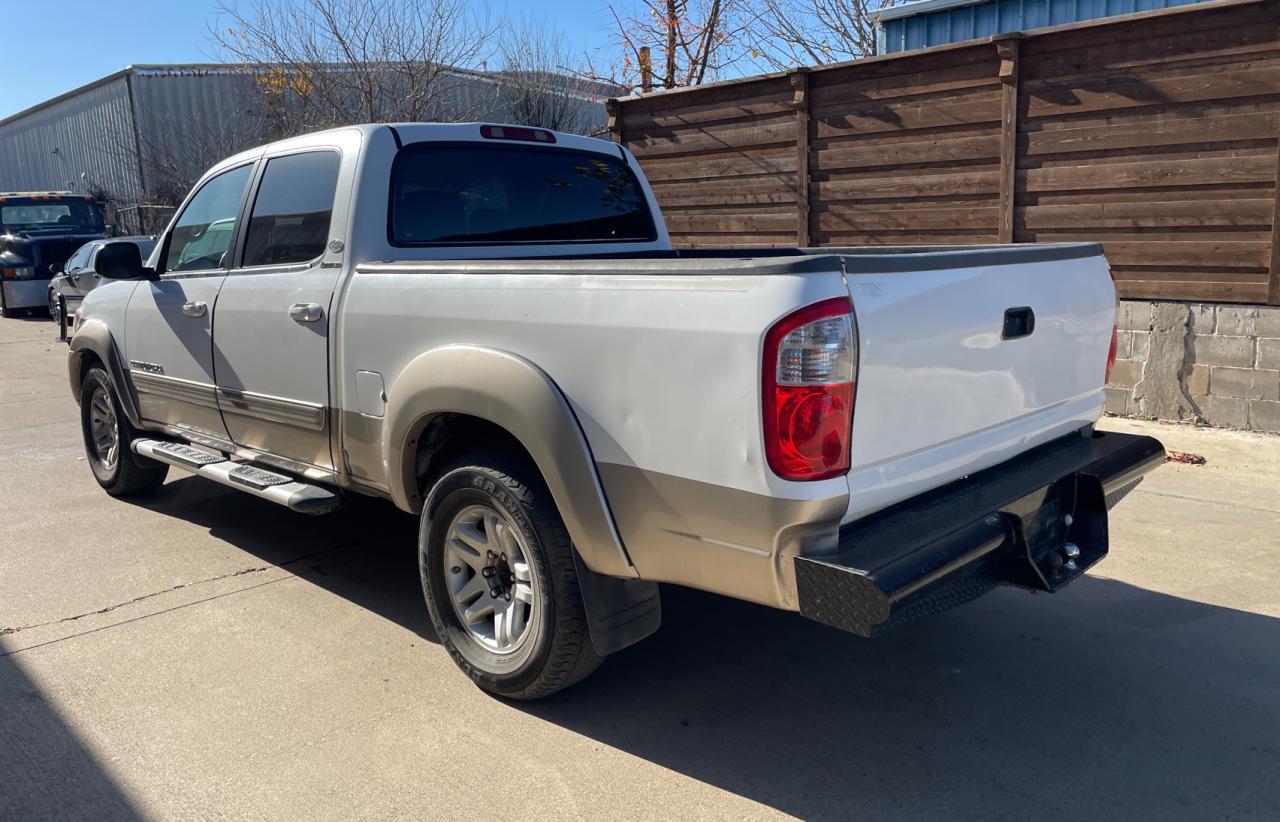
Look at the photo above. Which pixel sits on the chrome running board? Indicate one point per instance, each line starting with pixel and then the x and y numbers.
pixel 272 486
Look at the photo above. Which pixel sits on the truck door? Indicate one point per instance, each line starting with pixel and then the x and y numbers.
pixel 168 338
pixel 272 318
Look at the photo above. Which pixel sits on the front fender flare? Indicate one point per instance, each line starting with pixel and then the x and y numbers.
pixel 93 336
pixel 516 395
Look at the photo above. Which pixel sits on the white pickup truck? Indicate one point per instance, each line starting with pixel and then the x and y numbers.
pixel 487 326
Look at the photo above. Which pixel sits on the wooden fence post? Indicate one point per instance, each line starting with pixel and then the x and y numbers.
pixel 800 101
pixel 1273 290
pixel 613 108
pixel 1007 50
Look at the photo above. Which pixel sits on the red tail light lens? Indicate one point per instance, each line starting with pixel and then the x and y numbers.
pixel 1111 354
pixel 1115 328
pixel 810 365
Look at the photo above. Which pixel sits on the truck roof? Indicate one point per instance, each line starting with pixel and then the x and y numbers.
pixel 407 133
pixel 48 195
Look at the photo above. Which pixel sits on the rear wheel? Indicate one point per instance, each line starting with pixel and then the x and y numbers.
pixel 500 582
pixel 108 441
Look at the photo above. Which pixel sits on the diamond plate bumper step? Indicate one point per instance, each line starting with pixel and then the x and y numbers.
pixel 1037 521
pixel 272 486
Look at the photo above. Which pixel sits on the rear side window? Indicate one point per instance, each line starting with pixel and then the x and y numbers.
pixel 290 219
pixel 490 195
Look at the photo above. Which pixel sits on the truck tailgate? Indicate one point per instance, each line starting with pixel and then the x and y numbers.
pixel 944 391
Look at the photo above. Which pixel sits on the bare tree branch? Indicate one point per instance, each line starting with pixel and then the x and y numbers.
pixel 813 32
pixel 538 83
pixel 691 42
pixel 333 62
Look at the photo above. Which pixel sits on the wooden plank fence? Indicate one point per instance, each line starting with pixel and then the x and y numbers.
pixel 1156 133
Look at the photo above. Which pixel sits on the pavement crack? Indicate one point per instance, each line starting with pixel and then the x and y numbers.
pixel 1207 501
pixel 257 569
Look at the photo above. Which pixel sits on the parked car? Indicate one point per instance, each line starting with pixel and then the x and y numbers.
pixel 488 326
pixel 38 231
pixel 76 277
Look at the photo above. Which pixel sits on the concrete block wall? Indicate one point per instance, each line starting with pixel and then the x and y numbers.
pixel 1206 362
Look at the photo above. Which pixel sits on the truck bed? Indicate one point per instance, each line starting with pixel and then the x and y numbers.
pixel 659 357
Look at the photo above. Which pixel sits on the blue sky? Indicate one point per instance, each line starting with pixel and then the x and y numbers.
pixel 52 46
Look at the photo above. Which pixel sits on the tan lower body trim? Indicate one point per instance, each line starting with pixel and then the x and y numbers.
pixel 718 539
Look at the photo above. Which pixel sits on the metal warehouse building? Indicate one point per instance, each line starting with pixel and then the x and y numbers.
pixel 120 135
pixel 936 22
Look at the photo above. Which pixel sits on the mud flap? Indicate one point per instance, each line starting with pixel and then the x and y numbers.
pixel 620 612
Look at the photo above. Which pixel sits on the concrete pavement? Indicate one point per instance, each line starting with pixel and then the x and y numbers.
pixel 205 655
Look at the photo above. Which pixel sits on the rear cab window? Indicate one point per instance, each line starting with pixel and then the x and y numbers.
pixel 478 194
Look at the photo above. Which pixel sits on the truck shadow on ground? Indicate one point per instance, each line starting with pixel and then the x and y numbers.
pixel 1103 701
pixel 41 758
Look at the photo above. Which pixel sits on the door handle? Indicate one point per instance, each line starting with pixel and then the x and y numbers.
pixel 306 312
pixel 1018 323
pixel 195 308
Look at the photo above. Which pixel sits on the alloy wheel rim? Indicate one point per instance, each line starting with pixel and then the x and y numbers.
pixel 104 428
pixel 491 581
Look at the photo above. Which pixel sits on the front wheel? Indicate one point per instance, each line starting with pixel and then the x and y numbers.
pixel 500 582
pixel 54 313
pixel 108 441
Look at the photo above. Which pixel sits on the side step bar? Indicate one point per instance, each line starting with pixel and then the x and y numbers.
pixel 269 485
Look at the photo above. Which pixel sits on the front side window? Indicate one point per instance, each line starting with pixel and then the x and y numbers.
pixel 490 195
pixel 80 259
pixel 290 220
pixel 202 235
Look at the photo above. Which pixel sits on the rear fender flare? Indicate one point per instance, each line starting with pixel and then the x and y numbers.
pixel 516 395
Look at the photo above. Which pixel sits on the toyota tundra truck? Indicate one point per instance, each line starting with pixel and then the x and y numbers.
pixel 488 326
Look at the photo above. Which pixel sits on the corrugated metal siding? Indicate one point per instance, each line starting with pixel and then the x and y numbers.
pixel 982 20
pixel 189 119
pixel 92 133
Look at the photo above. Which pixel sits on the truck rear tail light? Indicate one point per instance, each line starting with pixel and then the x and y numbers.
pixel 810 368
pixel 1115 329
pixel 1111 354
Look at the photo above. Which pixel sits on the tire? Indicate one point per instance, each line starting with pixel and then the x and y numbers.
pixel 553 650
pixel 121 472
pixel 53 306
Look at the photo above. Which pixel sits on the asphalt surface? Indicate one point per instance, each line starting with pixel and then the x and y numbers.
pixel 205 655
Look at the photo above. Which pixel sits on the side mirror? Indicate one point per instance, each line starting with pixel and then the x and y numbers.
pixel 56 268
pixel 121 261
